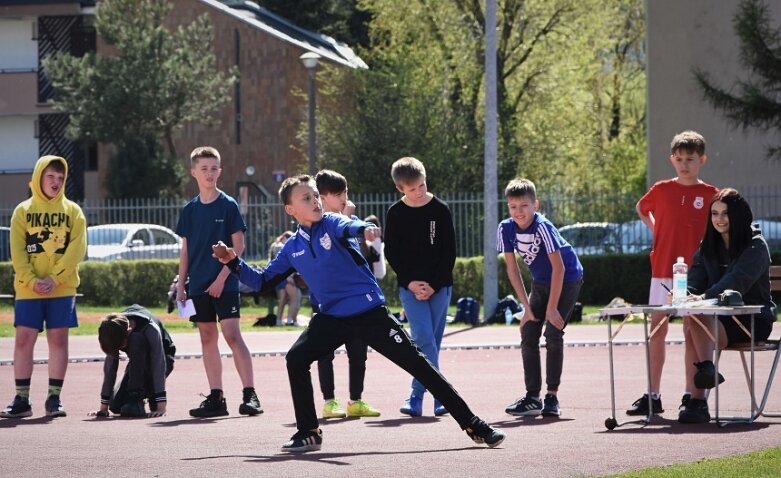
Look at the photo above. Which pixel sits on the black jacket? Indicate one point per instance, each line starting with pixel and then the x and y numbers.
pixel 748 274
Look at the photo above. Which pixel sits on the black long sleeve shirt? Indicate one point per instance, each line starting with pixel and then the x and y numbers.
pixel 420 243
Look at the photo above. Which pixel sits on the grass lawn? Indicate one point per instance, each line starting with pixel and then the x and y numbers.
pixel 757 464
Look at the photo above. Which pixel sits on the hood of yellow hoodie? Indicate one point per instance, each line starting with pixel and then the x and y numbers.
pixel 35 182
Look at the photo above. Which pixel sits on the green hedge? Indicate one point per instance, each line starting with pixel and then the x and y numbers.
pixel 119 283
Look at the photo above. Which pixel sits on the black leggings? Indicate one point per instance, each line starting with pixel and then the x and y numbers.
pixel 380 330
pixel 356 354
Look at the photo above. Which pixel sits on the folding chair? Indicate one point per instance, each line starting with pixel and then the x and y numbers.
pixel 766 346
pixel 752 347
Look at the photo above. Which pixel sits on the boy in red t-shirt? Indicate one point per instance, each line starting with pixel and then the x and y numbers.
pixel 676 211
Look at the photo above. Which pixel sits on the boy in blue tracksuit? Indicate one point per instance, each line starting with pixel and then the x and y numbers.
pixel 351 307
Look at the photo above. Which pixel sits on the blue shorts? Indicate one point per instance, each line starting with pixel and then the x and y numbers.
pixel 209 309
pixel 57 313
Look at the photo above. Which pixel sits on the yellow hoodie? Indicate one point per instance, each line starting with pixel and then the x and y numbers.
pixel 48 239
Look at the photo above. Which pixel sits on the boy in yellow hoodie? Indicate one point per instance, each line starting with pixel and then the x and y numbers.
pixel 48 240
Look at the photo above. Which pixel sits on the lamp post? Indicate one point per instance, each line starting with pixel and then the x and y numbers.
pixel 310 60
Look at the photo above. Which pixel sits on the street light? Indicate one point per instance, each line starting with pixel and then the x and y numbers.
pixel 310 60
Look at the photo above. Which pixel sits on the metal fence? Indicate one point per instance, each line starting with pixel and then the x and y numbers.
pixel 266 220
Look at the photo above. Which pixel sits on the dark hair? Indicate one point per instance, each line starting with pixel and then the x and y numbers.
pixel 57 165
pixel 740 219
pixel 203 152
pixel 520 187
pixel 372 219
pixel 406 170
pixel 286 189
pixel 112 333
pixel 330 182
pixel 689 141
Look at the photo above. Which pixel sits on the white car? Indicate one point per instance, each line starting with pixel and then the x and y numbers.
pixel 132 241
pixel 635 237
pixel 589 238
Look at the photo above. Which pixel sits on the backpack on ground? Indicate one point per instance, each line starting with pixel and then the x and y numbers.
pixel 467 310
pixel 508 303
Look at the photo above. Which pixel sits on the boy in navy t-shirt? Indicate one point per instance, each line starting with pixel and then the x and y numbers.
pixel 556 279
pixel 209 217
pixel 351 307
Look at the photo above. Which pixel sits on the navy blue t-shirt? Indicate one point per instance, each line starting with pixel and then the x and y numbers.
pixel 534 244
pixel 203 225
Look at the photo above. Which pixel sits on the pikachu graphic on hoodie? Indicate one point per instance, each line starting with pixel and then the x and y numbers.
pixel 48 237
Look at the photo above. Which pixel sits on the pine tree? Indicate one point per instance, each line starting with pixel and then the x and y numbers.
pixel 757 102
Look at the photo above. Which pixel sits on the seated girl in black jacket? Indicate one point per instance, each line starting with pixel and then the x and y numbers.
pixel 732 255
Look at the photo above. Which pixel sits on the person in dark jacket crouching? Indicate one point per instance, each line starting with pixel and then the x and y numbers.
pixel 150 352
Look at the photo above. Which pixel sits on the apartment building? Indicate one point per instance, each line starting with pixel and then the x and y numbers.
pixel 256 132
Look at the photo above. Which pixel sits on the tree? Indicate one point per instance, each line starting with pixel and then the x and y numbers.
pixel 341 19
pixel 571 94
pixel 756 103
pixel 153 81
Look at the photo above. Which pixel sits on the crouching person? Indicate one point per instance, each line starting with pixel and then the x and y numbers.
pixel 150 352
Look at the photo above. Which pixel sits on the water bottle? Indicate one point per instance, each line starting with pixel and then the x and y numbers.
pixel 680 291
pixel 508 316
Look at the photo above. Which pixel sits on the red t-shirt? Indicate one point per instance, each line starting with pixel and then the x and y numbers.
pixel 680 216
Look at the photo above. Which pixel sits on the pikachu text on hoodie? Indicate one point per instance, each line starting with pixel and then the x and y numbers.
pixel 48 238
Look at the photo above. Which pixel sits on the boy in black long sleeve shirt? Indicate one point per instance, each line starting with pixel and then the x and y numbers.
pixel 420 245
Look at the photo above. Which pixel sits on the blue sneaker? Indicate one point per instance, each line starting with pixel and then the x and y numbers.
pixel 413 406
pixel 439 409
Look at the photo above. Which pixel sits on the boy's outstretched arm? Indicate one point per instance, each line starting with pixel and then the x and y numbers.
pixel 257 280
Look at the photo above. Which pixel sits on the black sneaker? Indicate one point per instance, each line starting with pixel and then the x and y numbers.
pixel 306 440
pixel 250 404
pixel 19 408
pixel 696 411
pixel 525 407
pixel 640 406
pixel 53 406
pixel 705 377
pixel 550 406
pixel 133 408
pixel 213 406
pixel 483 433
pixel 684 401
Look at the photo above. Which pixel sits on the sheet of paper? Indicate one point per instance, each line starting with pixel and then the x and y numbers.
pixel 186 308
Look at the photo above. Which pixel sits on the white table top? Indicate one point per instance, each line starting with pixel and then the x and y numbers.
pixel 681 310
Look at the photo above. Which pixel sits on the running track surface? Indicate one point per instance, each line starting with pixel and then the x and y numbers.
pixel 483 364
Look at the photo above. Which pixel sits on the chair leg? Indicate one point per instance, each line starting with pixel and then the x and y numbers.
pixel 756 410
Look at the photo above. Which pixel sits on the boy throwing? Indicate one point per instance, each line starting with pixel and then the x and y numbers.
pixel 351 307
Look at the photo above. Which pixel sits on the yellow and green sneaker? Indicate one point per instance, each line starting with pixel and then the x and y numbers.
pixel 333 409
pixel 359 408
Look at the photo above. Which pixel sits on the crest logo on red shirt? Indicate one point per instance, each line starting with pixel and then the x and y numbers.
pixel 699 202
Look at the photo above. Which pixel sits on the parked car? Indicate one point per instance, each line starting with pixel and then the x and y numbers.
pixel 132 241
pixel 5 244
pixel 588 238
pixel 635 237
